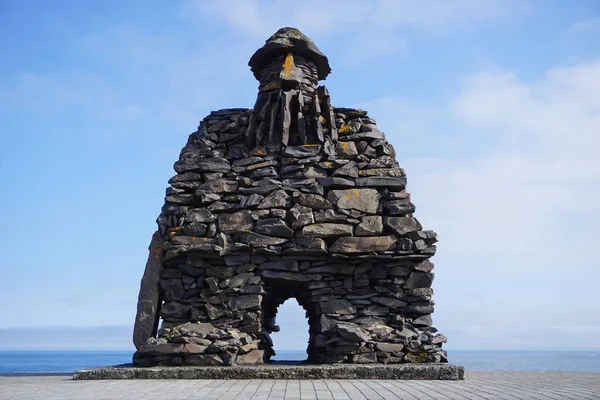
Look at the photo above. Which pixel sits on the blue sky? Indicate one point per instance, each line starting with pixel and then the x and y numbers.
pixel 493 108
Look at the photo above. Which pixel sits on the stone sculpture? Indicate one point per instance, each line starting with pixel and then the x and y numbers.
pixel 297 199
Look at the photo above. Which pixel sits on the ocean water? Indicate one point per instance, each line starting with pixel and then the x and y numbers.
pixel 59 361
pixel 68 361
pixel 579 361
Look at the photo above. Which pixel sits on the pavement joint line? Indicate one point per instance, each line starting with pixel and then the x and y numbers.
pixel 381 389
pixel 418 390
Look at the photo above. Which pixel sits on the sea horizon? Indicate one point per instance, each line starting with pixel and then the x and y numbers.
pixel 66 361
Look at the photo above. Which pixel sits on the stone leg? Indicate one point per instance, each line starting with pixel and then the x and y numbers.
pixel 147 317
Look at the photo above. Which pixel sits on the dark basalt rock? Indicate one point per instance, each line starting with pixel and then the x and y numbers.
pixel 235 222
pixel 327 230
pixel 312 201
pixel 336 182
pixel 284 41
pixel 379 181
pixel 366 200
pixel 148 307
pixel 367 244
pixel 369 226
pixel 293 198
pixel 402 225
pixel 273 227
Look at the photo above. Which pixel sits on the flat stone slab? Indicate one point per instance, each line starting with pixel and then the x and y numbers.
pixel 279 371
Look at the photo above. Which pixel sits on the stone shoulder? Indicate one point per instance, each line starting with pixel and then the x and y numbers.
pixel 355 124
pixel 339 198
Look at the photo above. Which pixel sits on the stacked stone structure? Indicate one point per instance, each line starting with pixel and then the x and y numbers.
pixel 297 199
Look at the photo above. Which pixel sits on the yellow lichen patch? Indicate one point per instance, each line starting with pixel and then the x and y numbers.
pixel 418 357
pixel 322 119
pixel 288 66
pixel 352 193
pixel 259 152
pixel 343 145
pixel 178 228
pixel 205 239
pixel 344 128
pixel 157 251
pixel 193 239
pixel 271 86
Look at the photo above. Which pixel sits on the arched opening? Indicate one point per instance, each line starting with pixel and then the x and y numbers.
pixel 290 318
pixel 290 335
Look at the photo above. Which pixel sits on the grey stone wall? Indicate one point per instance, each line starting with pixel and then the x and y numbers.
pixel 291 199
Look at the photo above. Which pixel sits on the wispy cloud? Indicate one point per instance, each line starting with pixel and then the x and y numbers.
pixel 530 154
pixel 511 183
pixel 574 328
pixel 584 27
pixel 135 75
pixel 261 17
pixel 373 28
pixel 444 15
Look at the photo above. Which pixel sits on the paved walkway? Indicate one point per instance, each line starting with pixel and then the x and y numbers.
pixel 478 385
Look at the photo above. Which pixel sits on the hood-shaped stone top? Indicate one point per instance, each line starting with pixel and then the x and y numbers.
pixel 289 40
pixel 290 109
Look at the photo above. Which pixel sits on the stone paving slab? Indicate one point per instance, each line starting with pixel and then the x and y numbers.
pixel 279 371
pixel 488 385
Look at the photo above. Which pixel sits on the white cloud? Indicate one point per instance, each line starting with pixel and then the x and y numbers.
pixel 507 172
pixel 584 27
pixel 505 167
pixel 559 111
pixel 457 14
pixel 372 28
pixel 130 74
pixel 530 163
pixel 129 47
pixel 262 17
